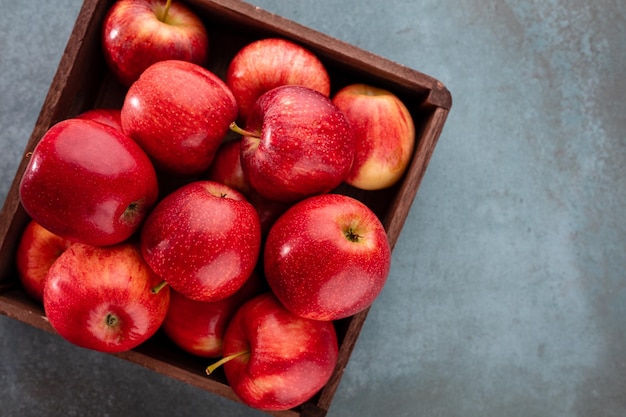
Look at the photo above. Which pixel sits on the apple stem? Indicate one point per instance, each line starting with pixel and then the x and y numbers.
pixel 233 126
pixel 163 16
pixel 211 368
pixel 158 287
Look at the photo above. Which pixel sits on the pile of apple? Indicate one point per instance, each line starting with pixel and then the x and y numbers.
pixel 205 207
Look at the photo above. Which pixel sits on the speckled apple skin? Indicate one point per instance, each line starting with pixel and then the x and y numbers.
pixel 179 113
pixel 204 239
pixel 81 178
pixel 226 167
pixel 109 116
pixel 198 327
pixel 385 135
pixel 87 283
pixel 306 144
pixel 269 63
pixel 133 38
pixel 315 270
pixel 290 358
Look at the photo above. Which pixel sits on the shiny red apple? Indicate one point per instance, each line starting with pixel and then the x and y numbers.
pixel 179 113
pixel 203 239
pixel 36 252
pixel 273 359
pixel 138 33
pixel 198 327
pixel 385 135
pixel 108 116
pixel 226 168
pixel 268 63
pixel 327 257
pixel 296 143
pixel 88 182
pixel 100 298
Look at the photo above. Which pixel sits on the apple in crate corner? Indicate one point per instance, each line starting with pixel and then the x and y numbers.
pixel 179 113
pixel 88 182
pixel 273 359
pixel 269 63
pixel 351 241
pixel 385 135
pixel 100 298
pixel 138 33
pixel 198 327
pixel 203 239
pixel 36 252
pixel 296 143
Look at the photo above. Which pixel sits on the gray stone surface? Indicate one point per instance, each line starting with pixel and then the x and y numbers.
pixel 507 295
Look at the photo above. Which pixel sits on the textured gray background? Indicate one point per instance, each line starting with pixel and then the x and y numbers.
pixel 507 295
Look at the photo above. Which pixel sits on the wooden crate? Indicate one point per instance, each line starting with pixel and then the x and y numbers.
pixel 82 81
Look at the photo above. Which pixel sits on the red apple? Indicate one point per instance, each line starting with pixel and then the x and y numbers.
pixel 100 298
pixel 138 33
pixel 296 144
pixel 198 327
pixel 36 252
pixel 88 182
pixel 273 359
pixel 385 135
pixel 203 239
pixel 226 168
pixel 268 63
pixel 111 117
pixel 351 241
pixel 268 210
pixel 179 113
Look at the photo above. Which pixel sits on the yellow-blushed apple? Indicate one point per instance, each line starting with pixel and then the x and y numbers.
pixel 385 133
pixel 36 252
pixel 100 298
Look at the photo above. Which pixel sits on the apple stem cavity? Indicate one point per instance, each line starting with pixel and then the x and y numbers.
pixel 233 126
pixel 111 320
pixel 156 289
pixel 131 214
pixel 211 368
pixel 352 235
